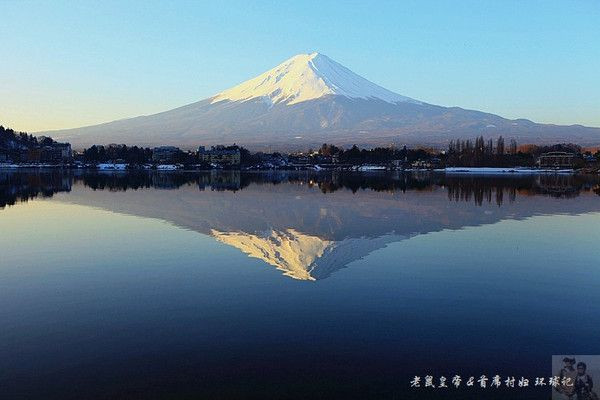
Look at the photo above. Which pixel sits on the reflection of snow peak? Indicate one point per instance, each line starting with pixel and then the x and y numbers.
pixel 302 256
pixel 289 251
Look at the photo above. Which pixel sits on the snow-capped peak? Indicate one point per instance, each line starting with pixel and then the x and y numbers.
pixel 306 77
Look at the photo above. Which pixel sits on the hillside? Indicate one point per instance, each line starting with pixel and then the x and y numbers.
pixel 311 99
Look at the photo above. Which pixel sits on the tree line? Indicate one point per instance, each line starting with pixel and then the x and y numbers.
pixel 356 155
pixel 11 139
pixel 482 153
pixel 129 154
pixel 487 153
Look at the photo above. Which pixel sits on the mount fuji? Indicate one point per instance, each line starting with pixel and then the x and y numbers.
pixel 308 100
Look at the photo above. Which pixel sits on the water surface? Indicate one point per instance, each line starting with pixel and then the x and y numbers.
pixel 290 285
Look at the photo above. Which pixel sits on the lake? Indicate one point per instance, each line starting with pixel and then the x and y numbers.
pixel 297 285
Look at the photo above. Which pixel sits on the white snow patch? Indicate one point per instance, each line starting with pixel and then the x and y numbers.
pixel 494 170
pixel 112 167
pixel 167 167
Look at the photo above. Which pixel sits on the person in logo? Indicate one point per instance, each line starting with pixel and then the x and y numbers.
pixel 567 379
pixel 584 383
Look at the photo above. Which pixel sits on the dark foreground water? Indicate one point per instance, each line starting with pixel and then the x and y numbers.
pixel 291 286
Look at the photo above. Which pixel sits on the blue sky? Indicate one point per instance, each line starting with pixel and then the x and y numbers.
pixel 69 64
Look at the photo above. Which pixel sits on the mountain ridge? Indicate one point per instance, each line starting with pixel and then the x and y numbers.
pixel 310 99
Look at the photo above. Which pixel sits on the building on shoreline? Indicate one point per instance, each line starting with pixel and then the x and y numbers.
pixel 220 155
pixel 23 148
pixel 165 154
pixel 556 159
pixel 55 153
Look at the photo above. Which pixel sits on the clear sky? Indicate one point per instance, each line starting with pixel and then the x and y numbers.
pixel 74 63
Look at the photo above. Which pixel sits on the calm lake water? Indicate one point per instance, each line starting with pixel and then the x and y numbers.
pixel 291 285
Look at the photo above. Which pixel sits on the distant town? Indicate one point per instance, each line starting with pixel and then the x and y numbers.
pixel 22 150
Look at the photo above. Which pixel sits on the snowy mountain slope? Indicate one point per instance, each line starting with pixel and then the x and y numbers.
pixel 311 99
pixel 307 77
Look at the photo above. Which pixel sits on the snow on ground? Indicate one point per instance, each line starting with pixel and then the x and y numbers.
pixel 514 170
pixel 306 77
pixel 112 167
pixel 167 167
pixel 29 165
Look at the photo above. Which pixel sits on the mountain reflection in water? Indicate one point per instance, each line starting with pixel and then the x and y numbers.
pixel 309 225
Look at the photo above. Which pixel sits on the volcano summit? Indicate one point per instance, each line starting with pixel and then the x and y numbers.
pixel 308 100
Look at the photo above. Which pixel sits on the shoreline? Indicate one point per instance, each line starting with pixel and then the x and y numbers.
pixel 359 169
pixel 505 170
